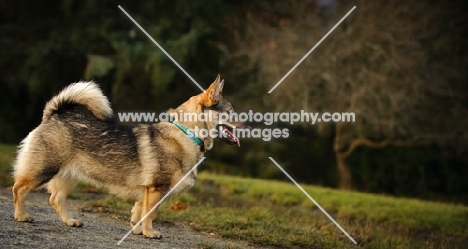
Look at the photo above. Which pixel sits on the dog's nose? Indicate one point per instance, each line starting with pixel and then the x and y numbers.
pixel 246 126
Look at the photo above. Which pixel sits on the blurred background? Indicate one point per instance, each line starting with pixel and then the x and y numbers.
pixel 400 66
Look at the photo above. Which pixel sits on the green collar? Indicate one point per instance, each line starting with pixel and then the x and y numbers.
pixel 190 134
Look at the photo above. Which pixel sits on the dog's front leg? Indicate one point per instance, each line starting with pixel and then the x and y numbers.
pixel 136 216
pixel 151 197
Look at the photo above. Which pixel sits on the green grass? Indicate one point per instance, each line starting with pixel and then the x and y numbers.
pixel 7 156
pixel 274 213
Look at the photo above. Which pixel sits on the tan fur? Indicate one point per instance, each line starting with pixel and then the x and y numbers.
pixel 211 95
pixel 142 162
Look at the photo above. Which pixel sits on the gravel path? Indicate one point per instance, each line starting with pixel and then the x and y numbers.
pixel 98 231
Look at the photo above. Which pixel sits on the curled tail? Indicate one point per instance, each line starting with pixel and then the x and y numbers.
pixel 86 94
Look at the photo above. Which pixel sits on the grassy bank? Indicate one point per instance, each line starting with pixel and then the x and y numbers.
pixel 274 213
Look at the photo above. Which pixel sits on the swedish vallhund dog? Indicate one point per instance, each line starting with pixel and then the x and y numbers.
pixel 79 140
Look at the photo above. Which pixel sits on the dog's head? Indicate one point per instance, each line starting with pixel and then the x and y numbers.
pixel 216 110
pixel 220 110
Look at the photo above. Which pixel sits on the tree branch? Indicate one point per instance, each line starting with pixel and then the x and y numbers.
pixel 362 141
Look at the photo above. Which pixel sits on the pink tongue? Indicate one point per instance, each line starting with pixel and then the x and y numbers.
pixel 230 135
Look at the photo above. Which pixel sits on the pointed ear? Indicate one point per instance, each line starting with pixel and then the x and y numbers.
pixel 221 85
pixel 211 95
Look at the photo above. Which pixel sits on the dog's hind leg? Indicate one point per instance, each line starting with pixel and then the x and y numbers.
pixel 59 188
pixel 22 187
pixel 151 197
pixel 136 216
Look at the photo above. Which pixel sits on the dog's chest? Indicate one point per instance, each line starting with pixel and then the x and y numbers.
pixel 185 184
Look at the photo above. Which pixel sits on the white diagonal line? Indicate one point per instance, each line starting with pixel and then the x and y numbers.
pixel 162 199
pixel 310 51
pixel 162 49
pixel 312 199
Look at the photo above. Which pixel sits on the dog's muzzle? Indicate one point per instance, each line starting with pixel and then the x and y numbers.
pixel 227 134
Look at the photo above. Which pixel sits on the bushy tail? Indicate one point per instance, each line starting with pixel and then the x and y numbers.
pixel 86 94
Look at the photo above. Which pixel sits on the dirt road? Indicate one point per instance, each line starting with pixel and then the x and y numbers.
pixel 98 231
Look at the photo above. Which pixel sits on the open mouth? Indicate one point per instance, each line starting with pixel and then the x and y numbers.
pixel 226 134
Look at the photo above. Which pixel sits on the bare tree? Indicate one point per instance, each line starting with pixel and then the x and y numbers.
pixel 388 63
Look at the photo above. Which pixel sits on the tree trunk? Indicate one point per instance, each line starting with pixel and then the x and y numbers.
pixel 344 172
pixel 344 148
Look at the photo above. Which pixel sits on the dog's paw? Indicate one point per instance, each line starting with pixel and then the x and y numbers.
pixel 74 223
pixel 153 235
pixel 24 218
pixel 138 230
